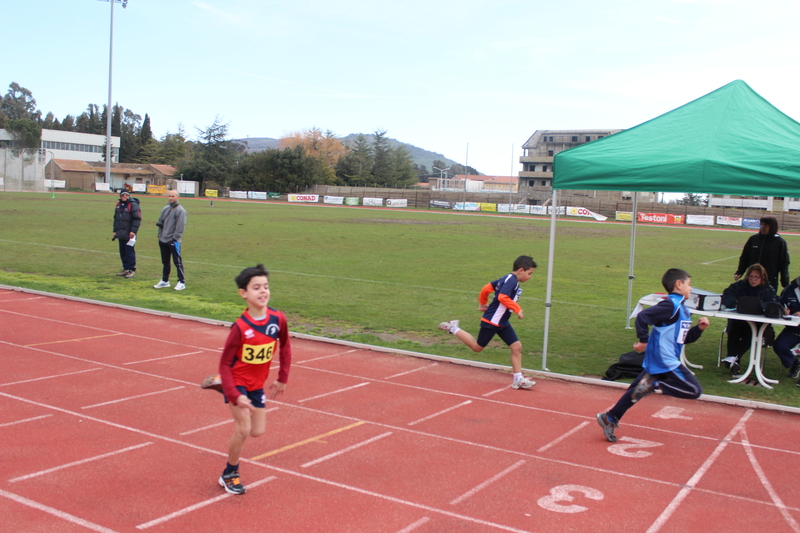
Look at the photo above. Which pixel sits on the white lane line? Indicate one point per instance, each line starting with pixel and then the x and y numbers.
pixel 767 485
pixel 562 437
pixel 76 463
pixel 229 421
pixel 488 482
pixel 200 505
pixel 162 358
pixel 334 392
pixel 55 512
pixel 695 479
pixel 345 450
pixel 49 377
pixel 133 397
pixel 414 525
pixel 23 421
pixel 718 260
pixel 434 415
pixel 411 371
pixel 323 357
pixel 492 393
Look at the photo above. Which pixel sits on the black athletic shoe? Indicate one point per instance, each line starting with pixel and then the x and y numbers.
pixel 794 371
pixel 643 388
pixel 230 482
pixel 608 426
pixel 735 370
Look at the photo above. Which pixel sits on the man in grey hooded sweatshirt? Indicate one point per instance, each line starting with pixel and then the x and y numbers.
pixel 171 223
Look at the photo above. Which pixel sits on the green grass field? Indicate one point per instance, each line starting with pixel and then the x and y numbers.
pixel 384 277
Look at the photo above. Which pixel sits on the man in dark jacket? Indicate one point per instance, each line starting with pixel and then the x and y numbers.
pixel 127 219
pixel 786 344
pixel 769 250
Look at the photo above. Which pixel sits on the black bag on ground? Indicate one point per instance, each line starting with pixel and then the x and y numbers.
pixel 629 366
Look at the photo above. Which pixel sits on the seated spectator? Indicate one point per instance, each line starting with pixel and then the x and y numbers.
pixel 754 283
pixel 790 336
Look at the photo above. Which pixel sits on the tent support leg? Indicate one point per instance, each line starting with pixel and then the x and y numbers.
pixel 631 277
pixel 549 292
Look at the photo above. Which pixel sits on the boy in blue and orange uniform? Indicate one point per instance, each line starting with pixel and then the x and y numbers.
pixel 244 367
pixel 495 317
pixel 672 328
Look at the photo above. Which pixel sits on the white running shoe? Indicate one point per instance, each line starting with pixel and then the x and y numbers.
pixel 180 286
pixel 161 284
pixel 448 326
pixel 523 383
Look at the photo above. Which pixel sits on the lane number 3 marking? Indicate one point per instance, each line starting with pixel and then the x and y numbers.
pixel 561 493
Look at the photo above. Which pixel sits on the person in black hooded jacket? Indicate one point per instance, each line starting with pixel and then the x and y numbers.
pixel 127 219
pixel 769 250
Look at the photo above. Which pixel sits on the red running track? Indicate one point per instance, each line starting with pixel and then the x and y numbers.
pixel 104 428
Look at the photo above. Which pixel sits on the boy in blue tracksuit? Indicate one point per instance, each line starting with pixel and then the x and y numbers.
pixel 672 328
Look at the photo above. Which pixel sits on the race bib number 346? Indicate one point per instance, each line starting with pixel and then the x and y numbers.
pixel 258 354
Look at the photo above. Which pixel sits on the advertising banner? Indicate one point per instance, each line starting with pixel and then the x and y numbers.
pixel 101 187
pixel 751 223
pixel 304 198
pixel 372 202
pixel 700 220
pixel 729 221
pixel 442 204
pixel 239 195
pixel 660 218
pixel 351 201
pixel 583 212
pixel 211 193
pixel 397 202
pixel 141 187
pixel 256 195
pixel 160 189
pixel 488 207
pixel 520 209
pixel 336 200
pixel 468 206
pixel 52 184
pixel 546 210
pixel 274 195
pixel 623 216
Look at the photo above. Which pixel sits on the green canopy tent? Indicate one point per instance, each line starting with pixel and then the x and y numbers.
pixel 730 141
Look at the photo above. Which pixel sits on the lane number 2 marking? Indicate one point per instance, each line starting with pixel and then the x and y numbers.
pixel 623 449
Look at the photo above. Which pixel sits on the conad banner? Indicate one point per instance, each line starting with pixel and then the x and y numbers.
pixel 372 202
pixel 336 200
pixel 700 220
pixel 751 223
pixel 397 202
pixel 304 198
pixel 729 221
pixel 211 193
pixel 488 207
pixel 239 195
pixel 660 218
pixel 583 212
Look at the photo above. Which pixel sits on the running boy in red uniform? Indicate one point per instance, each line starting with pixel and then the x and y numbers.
pixel 495 317
pixel 244 366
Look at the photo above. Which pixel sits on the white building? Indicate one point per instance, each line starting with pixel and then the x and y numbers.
pixel 71 145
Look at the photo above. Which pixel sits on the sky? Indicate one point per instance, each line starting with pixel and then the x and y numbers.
pixel 470 79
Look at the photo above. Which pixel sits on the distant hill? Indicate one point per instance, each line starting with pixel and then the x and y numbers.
pixel 418 155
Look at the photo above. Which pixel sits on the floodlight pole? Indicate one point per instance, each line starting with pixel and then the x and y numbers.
pixel 109 110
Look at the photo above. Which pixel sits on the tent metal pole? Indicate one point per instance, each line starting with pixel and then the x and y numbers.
pixel 549 291
pixel 631 277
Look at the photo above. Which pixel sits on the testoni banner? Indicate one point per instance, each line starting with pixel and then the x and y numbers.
pixel 141 187
pixel 101 187
pixel 660 218
pixel 256 195
pixel 442 204
pixel 397 202
pixel 336 200
pixel 212 193
pixel 304 198
pixel 623 216
pixel 488 207
pixel 239 195
pixel 372 202
pixel 161 189
pixel 700 220
pixel 729 221
pixel 467 206
pixel 521 209
pixel 351 201
pixel 54 184
pixel 583 212
pixel 751 223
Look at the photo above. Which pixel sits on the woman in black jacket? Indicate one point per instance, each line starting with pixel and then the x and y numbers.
pixel 768 249
pixel 753 283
